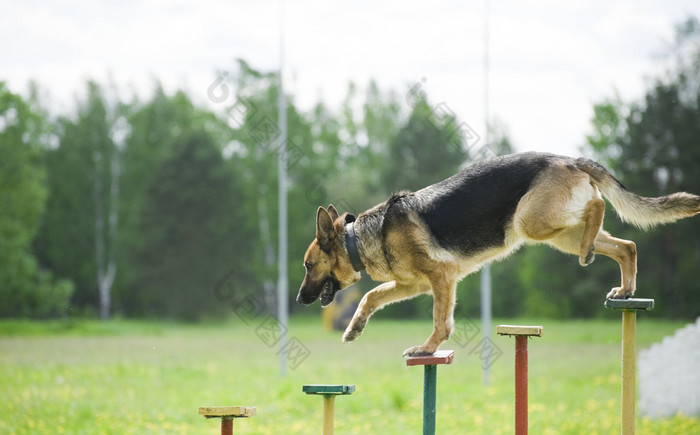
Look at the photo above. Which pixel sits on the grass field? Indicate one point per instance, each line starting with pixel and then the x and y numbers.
pixel 140 378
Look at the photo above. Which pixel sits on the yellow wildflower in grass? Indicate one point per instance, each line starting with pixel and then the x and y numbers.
pixel 112 386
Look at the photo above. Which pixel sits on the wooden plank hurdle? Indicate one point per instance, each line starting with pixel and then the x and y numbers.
pixel 629 308
pixel 329 392
pixel 227 414
pixel 430 363
pixel 521 334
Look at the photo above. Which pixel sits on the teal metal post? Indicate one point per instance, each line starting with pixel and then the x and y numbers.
pixel 429 398
pixel 430 363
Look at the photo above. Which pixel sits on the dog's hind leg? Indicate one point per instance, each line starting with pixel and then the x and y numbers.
pixel 375 299
pixel 625 253
pixel 593 218
pixel 620 250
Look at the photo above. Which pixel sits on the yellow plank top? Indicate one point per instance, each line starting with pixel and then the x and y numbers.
pixel 227 411
pixel 535 331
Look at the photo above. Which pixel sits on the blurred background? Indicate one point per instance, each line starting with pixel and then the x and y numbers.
pixel 139 141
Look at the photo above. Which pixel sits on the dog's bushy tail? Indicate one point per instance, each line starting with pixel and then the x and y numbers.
pixel 638 210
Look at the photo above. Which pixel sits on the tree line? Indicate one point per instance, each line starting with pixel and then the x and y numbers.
pixel 161 207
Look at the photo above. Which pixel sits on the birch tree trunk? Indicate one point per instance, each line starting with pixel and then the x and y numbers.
pixel 105 242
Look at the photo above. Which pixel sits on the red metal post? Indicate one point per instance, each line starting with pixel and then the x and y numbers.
pixel 521 385
pixel 521 335
pixel 227 414
pixel 226 426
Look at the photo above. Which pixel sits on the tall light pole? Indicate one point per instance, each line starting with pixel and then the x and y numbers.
pixel 282 278
pixel 486 270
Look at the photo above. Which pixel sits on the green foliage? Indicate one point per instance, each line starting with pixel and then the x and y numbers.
pixel 23 176
pixel 190 232
pixel 67 239
pixel 422 152
pixel 367 126
pixel 183 211
pixel 197 194
pixel 652 147
pixel 25 289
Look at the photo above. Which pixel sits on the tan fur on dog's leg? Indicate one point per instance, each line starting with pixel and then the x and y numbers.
pixel 376 298
pixel 620 250
pixel 593 216
pixel 625 253
pixel 444 294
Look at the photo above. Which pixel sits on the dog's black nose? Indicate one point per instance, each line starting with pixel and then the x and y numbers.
pixel 305 299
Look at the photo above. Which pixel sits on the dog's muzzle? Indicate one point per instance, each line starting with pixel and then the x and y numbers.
pixel 326 291
pixel 330 288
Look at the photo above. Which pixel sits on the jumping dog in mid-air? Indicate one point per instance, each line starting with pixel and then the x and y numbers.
pixel 426 241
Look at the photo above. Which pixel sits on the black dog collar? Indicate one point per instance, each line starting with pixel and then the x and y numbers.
pixel 351 245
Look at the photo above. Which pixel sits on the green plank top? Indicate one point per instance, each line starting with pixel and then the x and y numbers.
pixel 227 411
pixel 328 389
pixel 630 304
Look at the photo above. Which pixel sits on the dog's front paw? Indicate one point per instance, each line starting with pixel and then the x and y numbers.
pixel 351 334
pixel 353 330
pixel 418 351
pixel 620 293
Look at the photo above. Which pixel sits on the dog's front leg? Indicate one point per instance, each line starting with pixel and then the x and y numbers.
pixel 375 299
pixel 444 294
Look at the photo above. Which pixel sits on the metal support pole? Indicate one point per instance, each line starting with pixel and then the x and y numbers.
pixel 629 308
pixel 429 398
pixel 629 371
pixel 328 414
pixel 429 363
pixel 282 273
pixel 227 426
pixel 486 322
pixel 227 414
pixel 521 385
pixel 328 392
pixel 521 333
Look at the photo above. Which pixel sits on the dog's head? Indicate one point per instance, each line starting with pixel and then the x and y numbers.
pixel 327 263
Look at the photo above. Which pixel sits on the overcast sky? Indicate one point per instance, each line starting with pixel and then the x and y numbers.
pixel 550 60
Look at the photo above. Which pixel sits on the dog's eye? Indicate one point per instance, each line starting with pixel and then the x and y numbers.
pixel 308 265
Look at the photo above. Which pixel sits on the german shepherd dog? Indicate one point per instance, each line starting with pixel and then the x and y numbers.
pixel 426 241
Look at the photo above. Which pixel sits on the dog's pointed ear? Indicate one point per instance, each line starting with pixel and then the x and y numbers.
pixel 324 227
pixel 333 212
